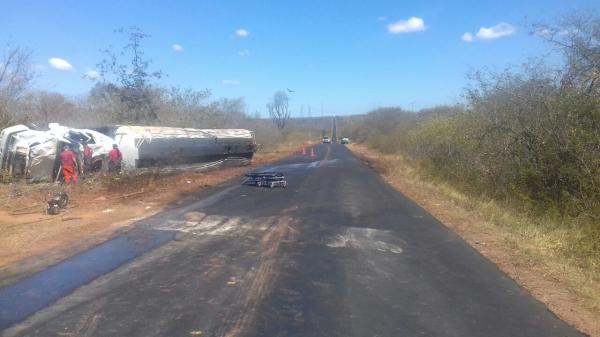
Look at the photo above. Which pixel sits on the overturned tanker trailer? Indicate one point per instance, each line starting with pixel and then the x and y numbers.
pixel 27 152
pixel 152 146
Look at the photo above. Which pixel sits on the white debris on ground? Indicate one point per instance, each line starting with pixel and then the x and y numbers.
pixel 365 239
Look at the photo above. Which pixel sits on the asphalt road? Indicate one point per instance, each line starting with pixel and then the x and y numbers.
pixel 336 253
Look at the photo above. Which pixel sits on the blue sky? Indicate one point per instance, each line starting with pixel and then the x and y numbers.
pixel 347 56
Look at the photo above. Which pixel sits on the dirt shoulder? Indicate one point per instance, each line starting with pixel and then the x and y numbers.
pixel 571 293
pixel 99 208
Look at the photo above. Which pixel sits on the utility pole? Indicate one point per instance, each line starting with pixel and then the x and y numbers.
pixel 334 130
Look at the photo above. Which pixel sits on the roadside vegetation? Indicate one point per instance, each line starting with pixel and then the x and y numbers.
pixel 523 150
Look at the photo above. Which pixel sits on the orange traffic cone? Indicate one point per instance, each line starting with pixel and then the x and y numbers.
pixel 303 151
pixel 312 151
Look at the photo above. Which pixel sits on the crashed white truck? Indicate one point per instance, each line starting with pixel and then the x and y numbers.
pixel 34 154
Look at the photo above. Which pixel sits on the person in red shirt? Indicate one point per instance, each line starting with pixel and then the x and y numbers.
pixel 114 159
pixel 68 161
pixel 87 157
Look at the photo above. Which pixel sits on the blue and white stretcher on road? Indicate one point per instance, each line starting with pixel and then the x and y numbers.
pixel 265 179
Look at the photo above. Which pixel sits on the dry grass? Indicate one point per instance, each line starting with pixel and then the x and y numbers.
pixel 290 142
pixel 531 254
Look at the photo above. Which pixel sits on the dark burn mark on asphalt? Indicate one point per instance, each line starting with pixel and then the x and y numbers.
pixel 307 299
pixel 20 300
pixel 261 281
pixel 297 288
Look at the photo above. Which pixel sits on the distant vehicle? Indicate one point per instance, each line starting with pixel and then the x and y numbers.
pixel 326 140
pixel 345 140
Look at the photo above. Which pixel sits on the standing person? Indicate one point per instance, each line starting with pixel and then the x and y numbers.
pixel 114 159
pixel 68 161
pixel 87 157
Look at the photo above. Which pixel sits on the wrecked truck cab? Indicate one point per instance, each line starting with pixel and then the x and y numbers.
pixel 28 153
pixel 98 142
pixel 34 154
pixel 101 146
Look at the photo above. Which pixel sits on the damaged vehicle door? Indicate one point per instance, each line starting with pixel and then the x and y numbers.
pixel 27 153
pixel 6 142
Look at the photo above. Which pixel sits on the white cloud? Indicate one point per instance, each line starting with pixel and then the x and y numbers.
pixel 91 74
pixel 177 47
pixel 381 18
pixel 242 32
pixel 413 24
pixel 60 64
pixel 231 82
pixel 467 37
pixel 500 30
pixel 244 53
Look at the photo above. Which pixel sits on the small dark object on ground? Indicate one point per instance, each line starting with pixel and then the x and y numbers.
pixel 58 201
pixel 266 179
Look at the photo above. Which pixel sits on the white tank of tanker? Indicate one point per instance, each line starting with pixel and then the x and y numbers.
pixel 149 146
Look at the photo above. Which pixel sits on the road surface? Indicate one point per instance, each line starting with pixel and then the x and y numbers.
pixel 337 253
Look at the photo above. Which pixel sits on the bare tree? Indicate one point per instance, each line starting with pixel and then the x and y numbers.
pixel 135 72
pixel 130 70
pixel 279 109
pixel 578 37
pixel 16 74
pixel 54 107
